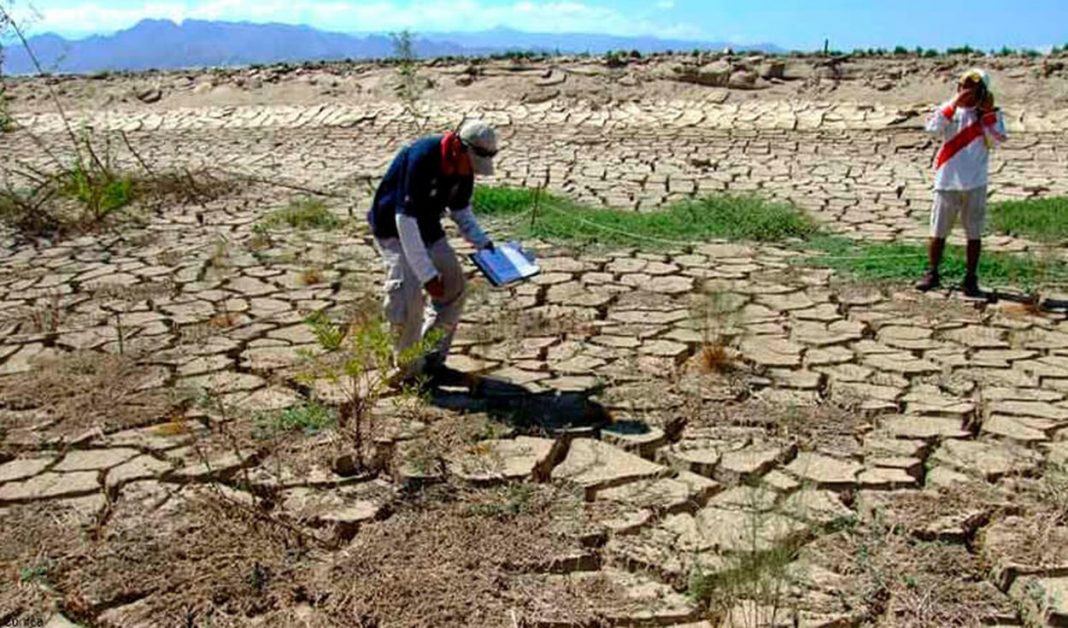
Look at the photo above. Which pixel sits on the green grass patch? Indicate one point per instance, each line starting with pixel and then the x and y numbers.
pixel 303 213
pixel 896 262
pixel 309 418
pixel 1041 220
pixel 526 213
pixel 550 217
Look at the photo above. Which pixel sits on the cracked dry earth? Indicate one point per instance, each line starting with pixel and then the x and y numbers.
pixel 906 451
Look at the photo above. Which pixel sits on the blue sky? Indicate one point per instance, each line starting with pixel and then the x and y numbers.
pixel 796 24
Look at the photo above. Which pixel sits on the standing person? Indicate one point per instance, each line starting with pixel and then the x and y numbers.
pixel 428 178
pixel 970 125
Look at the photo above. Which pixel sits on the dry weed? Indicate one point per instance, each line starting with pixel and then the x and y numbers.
pixel 442 563
pixel 198 560
pixel 89 391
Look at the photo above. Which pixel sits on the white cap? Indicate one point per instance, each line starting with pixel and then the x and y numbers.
pixel 977 75
pixel 481 142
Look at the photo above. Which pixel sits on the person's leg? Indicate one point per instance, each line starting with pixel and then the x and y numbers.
pixel 974 219
pixel 445 312
pixel 943 212
pixel 404 301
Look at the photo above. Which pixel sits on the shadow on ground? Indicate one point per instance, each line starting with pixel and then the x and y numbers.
pixel 1045 305
pixel 550 411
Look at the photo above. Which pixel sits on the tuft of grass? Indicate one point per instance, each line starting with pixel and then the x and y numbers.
pixel 100 192
pixel 551 217
pixel 891 262
pixel 303 213
pixel 309 418
pixel 311 276
pixel 1042 220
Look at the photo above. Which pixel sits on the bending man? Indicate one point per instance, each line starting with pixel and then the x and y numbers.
pixel 427 179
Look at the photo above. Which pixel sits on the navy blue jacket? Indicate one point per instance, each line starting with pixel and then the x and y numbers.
pixel 415 186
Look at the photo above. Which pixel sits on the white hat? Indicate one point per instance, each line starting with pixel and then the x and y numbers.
pixel 976 75
pixel 481 142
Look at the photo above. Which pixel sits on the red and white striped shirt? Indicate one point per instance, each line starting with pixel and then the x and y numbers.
pixel 963 160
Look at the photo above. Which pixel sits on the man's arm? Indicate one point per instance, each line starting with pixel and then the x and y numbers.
pixel 461 213
pixel 939 119
pixel 469 228
pixel 408 196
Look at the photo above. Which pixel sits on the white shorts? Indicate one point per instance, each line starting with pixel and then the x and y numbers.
pixel 970 204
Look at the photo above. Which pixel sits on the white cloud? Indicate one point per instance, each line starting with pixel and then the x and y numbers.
pixel 376 15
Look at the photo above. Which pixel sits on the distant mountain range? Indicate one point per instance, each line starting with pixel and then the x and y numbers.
pixel 163 44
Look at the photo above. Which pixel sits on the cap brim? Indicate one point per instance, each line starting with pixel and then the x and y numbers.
pixel 482 165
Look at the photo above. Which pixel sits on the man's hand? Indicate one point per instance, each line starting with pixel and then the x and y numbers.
pixel 435 287
pixel 965 98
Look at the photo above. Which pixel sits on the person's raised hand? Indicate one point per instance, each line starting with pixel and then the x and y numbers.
pixel 965 98
pixel 435 287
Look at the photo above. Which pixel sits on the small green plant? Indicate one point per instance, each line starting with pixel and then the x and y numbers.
pixel 357 360
pixel 309 418
pixel 303 213
pixel 749 588
pixel 409 84
pixel 259 578
pixel 261 237
pixel 960 50
pixel 6 122
pixel 101 191
pixel 35 574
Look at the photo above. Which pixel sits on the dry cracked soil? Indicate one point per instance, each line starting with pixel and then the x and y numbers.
pixel 815 452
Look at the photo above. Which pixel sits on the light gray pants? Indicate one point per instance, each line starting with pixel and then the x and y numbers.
pixel 405 304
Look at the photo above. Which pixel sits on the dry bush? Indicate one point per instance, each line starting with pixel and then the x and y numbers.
pixel 198 560
pixel 715 358
pixel 33 538
pixel 886 573
pixel 832 425
pixel 88 391
pixel 451 563
pixel 80 197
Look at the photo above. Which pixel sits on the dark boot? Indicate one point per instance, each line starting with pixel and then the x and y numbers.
pixel 971 274
pixel 931 280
